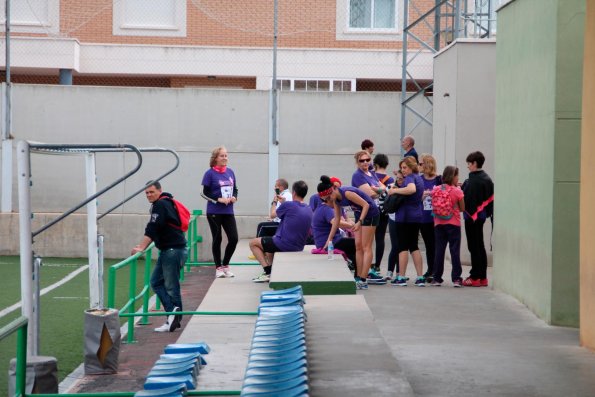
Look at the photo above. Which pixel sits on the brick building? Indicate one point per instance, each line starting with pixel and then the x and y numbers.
pixel 323 45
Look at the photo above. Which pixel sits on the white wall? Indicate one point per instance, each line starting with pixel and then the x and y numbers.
pixel 319 133
pixel 465 103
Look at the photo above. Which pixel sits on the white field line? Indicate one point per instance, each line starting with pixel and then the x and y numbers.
pixel 47 289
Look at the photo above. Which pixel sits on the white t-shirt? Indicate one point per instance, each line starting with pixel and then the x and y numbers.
pixel 286 194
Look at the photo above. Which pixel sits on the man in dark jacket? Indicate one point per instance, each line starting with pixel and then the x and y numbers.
pixel 479 205
pixel 164 229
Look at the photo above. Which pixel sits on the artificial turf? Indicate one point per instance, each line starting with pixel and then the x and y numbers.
pixel 62 310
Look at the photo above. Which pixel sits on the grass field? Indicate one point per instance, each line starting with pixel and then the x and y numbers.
pixel 62 310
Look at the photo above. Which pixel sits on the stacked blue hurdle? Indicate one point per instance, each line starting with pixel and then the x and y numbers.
pixel 176 371
pixel 277 363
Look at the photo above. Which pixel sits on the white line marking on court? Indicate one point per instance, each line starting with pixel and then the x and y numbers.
pixel 47 289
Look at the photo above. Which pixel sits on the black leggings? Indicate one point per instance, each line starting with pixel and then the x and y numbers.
pixel 228 223
pixel 427 234
pixel 347 245
pixel 379 236
pixel 393 256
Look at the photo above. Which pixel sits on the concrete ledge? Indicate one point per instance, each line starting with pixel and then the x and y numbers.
pixel 315 273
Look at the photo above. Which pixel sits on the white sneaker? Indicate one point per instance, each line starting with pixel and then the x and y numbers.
pixel 228 272
pixel 163 328
pixel 219 273
pixel 262 278
pixel 389 276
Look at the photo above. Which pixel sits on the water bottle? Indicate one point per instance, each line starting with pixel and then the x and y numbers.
pixel 331 251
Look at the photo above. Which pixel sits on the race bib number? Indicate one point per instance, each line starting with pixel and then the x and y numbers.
pixel 226 191
pixel 428 203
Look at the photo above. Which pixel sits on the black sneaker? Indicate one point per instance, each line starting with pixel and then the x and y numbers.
pixel 374 278
pixel 429 278
pixel 173 320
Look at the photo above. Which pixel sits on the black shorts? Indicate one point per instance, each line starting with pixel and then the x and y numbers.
pixel 268 245
pixel 368 221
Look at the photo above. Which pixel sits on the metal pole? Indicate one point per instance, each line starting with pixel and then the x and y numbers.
pixel 6 204
pixel 92 231
pixel 404 70
pixel 101 251
pixel 457 21
pixel 36 301
pixel 273 106
pixel 26 240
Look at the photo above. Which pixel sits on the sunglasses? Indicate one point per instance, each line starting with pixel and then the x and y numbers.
pixel 364 160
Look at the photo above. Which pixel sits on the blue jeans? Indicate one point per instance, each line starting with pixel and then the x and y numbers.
pixel 165 279
pixel 451 235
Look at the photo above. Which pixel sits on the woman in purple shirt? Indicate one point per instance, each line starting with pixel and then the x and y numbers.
pixel 408 218
pixel 366 219
pixel 221 192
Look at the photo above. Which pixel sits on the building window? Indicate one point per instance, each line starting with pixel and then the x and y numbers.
pixel 165 18
pixel 32 16
pixel 372 14
pixel 315 85
pixel 369 20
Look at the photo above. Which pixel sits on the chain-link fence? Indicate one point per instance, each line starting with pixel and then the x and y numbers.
pixel 342 45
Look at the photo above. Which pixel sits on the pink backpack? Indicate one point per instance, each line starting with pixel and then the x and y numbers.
pixel 442 205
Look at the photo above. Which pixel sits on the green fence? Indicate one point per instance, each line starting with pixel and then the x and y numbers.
pixel 128 310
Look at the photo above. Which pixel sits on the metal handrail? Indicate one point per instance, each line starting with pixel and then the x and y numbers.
pixel 18 325
pixel 132 195
pixel 77 148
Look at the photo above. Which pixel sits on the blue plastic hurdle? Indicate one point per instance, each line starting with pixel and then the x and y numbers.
pixel 277 363
pixel 176 371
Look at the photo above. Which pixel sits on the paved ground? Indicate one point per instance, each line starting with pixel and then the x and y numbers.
pixel 446 341
pixel 136 359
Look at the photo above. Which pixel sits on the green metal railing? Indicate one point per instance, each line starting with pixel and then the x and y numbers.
pixel 194 238
pixel 18 325
pixel 128 310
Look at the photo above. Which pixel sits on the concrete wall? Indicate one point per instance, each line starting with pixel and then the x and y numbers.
pixel 464 103
pixel 538 109
pixel 587 248
pixel 465 111
pixel 319 132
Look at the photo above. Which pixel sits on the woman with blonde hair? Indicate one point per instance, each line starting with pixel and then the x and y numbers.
pixel 220 189
pixel 427 165
pixel 364 178
pixel 408 218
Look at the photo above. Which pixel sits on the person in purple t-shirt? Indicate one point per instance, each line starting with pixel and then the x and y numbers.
pixel 291 235
pixel 408 218
pixel 322 222
pixel 221 192
pixel 366 219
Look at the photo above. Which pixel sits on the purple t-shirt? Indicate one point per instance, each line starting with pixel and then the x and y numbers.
pixel 360 178
pixel 321 225
pixel 389 181
pixel 427 201
pixel 411 209
pixel 315 201
pixel 296 218
pixel 344 202
pixel 220 185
